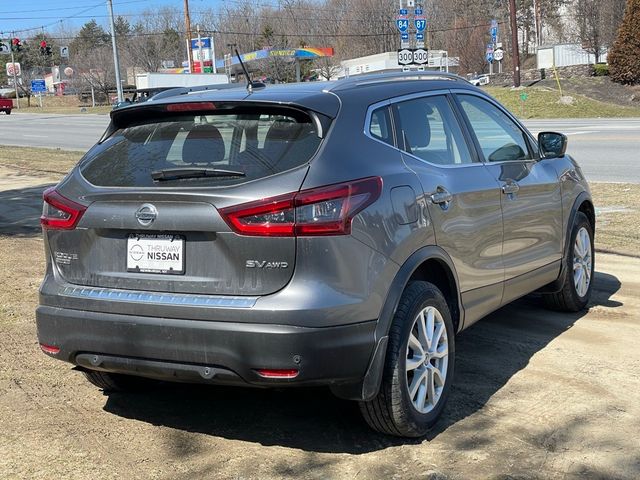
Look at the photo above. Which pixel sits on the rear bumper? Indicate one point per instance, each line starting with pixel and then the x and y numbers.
pixel 207 351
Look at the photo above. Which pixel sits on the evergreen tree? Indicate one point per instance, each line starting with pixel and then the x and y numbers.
pixel 624 57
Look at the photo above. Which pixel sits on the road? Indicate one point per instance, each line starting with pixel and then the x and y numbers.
pixel 67 132
pixel 607 149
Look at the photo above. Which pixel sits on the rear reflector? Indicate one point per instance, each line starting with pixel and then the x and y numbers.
pixel 269 373
pixel 60 213
pixel 190 106
pixel 49 349
pixel 317 211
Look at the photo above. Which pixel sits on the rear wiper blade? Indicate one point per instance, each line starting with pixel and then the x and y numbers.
pixel 192 172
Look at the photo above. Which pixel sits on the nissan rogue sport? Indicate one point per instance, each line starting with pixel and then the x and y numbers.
pixel 337 233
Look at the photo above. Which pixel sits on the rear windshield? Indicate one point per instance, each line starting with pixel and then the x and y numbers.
pixel 215 149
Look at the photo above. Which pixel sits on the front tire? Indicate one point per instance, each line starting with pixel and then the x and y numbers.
pixel 580 267
pixel 418 367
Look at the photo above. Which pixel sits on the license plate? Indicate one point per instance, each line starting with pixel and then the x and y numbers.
pixel 155 254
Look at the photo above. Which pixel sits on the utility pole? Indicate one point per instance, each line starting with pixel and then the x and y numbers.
pixel 116 60
pixel 515 49
pixel 15 77
pixel 187 23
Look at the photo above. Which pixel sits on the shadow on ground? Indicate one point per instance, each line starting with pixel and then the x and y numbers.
pixel 20 211
pixel 488 355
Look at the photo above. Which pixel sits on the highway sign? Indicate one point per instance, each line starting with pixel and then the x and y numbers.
pixel 38 86
pixel 494 31
pixel 420 56
pixel 13 69
pixel 5 48
pixel 64 52
pixel 490 57
pixel 402 24
pixel 403 12
pixel 405 56
pixel 498 54
pixel 420 23
pixel 418 12
pixel 494 23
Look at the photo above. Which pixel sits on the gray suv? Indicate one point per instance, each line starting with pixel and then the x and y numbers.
pixel 336 234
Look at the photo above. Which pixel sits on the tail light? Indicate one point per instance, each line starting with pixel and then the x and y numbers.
pixel 318 211
pixel 60 213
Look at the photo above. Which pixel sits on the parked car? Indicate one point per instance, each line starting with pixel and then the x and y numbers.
pixel 480 80
pixel 6 105
pixel 340 234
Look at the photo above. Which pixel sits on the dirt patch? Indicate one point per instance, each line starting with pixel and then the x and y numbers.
pixel 596 88
pixel 537 395
pixel 617 217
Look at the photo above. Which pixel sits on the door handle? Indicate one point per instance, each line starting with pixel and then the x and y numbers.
pixel 510 188
pixel 441 197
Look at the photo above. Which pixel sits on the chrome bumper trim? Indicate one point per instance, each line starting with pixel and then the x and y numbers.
pixel 116 295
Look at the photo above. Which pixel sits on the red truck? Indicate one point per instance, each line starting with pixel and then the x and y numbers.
pixel 6 104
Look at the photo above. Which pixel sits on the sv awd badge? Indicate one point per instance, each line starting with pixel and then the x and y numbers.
pixel 265 264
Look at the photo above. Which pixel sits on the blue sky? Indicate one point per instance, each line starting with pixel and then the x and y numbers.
pixel 28 14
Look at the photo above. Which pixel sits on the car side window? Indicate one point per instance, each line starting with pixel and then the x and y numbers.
pixel 431 131
pixel 380 125
pixel 500 138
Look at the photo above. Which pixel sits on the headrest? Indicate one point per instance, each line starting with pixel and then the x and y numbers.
pixel 415 122
pixel 204 144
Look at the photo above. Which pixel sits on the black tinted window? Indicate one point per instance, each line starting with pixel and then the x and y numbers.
pixel 500 137
pixel 257 144
pixel 430 131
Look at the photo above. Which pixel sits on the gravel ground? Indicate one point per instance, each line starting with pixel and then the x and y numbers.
pixel 537 395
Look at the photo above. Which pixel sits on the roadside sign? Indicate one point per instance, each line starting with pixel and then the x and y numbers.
pixel 420 23
pixel 403 12
pixel 498 54
pixel 524 96
pixel 490 57
pixel 64 52
pixel 419 40
pixel 402 24
pixel 13 69
pixel 494 23
pixel 405 57
pixel 5 49
pixel 38 86
pixel 420 56
pixel 203 42
pixel 418 12
pixel 494 31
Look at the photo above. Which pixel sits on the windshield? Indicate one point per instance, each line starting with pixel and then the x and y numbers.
pixel 257 143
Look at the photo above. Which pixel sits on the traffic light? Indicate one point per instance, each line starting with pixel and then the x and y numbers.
pixel 16 45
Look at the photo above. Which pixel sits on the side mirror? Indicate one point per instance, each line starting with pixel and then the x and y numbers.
pixel 552 144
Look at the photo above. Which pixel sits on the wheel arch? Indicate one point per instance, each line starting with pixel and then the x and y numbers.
pixel 431 264
pixel 583 204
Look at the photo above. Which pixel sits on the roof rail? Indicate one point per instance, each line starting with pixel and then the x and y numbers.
pixel 374 78
pixel 174 92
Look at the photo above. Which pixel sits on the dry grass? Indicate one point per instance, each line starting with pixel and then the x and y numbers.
pixel 69 104
pixel 38 161
pixel 618 217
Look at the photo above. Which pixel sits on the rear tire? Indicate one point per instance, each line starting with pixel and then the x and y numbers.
pixel 418 367
pixel 117 382
pixel 579 267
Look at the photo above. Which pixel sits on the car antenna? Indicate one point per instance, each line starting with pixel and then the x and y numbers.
pixel 250 84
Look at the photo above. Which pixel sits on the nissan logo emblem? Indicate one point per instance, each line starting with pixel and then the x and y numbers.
pixel 146 214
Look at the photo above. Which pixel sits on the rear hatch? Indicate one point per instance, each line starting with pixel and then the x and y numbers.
pixel 142 209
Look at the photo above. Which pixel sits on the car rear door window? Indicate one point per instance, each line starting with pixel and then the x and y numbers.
pixel 500 138
pixel 255 144
pixel 430 131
